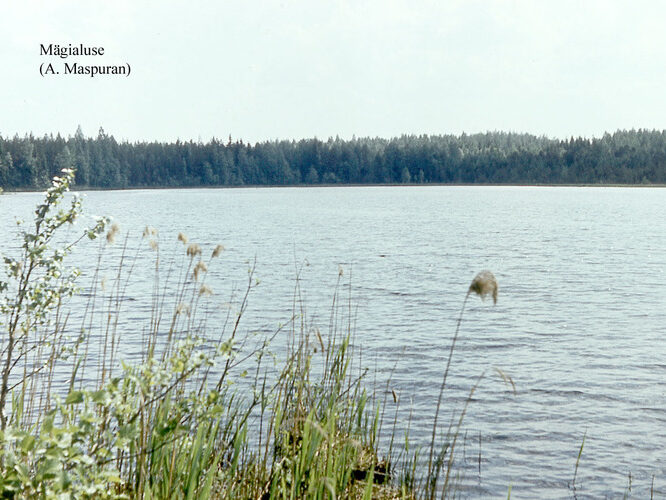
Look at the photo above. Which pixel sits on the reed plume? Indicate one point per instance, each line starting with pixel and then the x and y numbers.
pixel 484 284
pixel 198 269
pixel 193 250
pixel 149 231
pixel 218 250
pixel 112 233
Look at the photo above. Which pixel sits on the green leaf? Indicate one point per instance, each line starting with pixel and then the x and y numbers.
pixel 28 443
pixel 112 477
pixel 23 472
pixel 74 397
pixel 49 469
pixel 47 425
pixel 100 397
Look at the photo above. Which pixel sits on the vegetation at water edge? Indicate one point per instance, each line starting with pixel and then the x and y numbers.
pixel 205 412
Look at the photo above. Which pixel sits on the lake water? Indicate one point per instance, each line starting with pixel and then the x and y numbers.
pixel 579 324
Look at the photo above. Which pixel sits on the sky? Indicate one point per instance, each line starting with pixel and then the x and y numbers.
pixel 264 70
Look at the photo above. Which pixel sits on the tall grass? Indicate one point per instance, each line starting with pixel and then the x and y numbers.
pixel 200 413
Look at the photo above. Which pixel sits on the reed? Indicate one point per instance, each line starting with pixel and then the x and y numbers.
pixel 201 414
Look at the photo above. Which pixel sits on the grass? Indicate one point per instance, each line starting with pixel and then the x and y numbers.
pixel 198 415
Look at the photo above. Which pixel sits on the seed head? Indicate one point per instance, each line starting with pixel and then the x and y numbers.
pixel 484 284
pixel 199 268
pixel 218 250
pixel 193 250
pixel 113 231
pixel 149 231
pixel 183 238
pixel 183 308
pixel 205 290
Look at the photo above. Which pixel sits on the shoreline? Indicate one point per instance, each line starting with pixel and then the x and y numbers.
pixel 267 186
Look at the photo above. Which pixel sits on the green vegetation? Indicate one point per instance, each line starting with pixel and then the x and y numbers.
pixel 624 157
pixel 198 416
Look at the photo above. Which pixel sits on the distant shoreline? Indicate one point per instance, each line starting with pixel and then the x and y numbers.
pixel 272 186
pixel 625 158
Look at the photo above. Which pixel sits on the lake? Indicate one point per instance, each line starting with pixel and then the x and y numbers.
pixel 579 324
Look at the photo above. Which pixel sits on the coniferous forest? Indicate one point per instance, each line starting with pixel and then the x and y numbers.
pixel 624 157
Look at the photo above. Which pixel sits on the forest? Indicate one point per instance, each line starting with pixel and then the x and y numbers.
pixel 623 157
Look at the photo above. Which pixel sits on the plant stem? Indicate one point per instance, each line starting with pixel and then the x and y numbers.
pixel 432 481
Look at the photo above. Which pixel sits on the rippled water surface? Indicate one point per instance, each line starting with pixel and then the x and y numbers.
pixel 579 324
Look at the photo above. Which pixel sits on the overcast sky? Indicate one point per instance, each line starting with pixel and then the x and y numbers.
pixel 291 69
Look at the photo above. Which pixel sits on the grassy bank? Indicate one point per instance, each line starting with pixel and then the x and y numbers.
pixel 205 412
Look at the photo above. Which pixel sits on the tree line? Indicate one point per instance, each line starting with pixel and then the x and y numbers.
pixel 624 157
